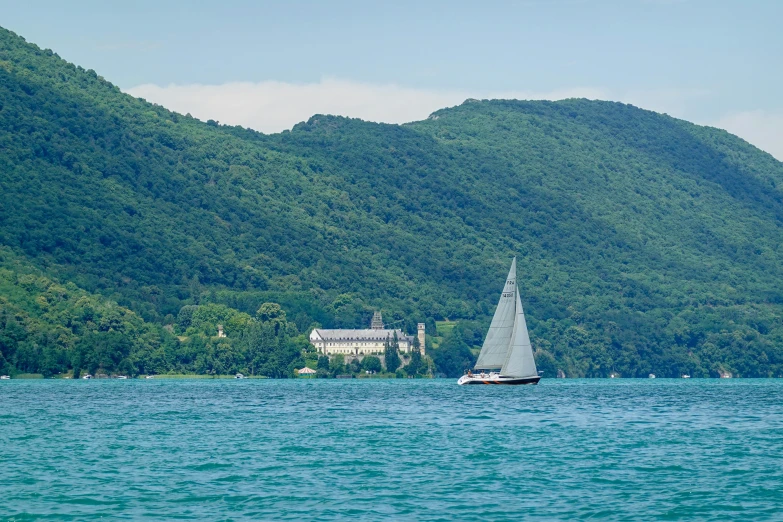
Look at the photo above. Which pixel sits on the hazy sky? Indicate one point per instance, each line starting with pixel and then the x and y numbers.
pixel 269 65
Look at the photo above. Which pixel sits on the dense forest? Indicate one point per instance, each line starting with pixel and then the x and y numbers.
pixel 128 232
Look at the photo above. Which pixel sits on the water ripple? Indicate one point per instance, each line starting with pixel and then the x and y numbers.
pixel 424 450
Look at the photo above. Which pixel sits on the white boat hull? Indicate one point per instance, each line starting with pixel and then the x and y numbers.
pixel 497 379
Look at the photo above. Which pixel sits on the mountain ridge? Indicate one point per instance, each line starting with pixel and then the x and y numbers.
pixel 614 211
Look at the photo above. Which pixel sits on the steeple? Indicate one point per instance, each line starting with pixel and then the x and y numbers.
pixel 377 321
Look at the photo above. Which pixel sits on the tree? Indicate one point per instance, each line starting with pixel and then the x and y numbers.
pixel 273 313
pixel 371 363
pixel 185 316
pixel 430 327
pixel 337 365
pixel 270 311
pixel 546 364
pixel 453 357
pixel 390 355
pixel 266 350
pixel 103 350
pixel 415 366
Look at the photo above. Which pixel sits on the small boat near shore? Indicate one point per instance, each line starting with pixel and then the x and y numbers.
pixel 506 356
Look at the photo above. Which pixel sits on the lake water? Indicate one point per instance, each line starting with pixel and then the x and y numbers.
pixel 397 449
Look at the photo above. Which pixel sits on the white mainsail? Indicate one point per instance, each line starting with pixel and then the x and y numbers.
pixel 507 346
pixel 495 349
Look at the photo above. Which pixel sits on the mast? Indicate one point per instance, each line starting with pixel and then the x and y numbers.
pixel 496 348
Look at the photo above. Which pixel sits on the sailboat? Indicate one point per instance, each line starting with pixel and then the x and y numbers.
pixel 506 357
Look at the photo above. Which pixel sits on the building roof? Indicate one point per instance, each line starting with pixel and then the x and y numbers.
pixel 367 334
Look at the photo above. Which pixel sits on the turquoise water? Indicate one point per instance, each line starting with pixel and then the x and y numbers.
pixel 250 449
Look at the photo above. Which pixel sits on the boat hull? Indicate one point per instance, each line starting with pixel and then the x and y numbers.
pixel 465 380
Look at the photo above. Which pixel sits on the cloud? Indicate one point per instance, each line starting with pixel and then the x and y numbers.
pixel 762 129
pixel 276 106
pixel 273 106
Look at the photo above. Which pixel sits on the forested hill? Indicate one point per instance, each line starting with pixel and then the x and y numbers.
pixel 645 243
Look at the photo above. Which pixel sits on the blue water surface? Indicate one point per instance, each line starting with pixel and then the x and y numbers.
pixel 391 449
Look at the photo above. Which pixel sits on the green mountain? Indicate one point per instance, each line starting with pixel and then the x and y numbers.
pixel 645 243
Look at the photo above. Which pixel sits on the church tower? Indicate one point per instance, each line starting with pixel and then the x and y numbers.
pixel 377 321
pixel 422 338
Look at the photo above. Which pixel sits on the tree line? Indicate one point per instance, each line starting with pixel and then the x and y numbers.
pixel 645 244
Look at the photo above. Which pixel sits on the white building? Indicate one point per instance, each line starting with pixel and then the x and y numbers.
pixel 356 343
